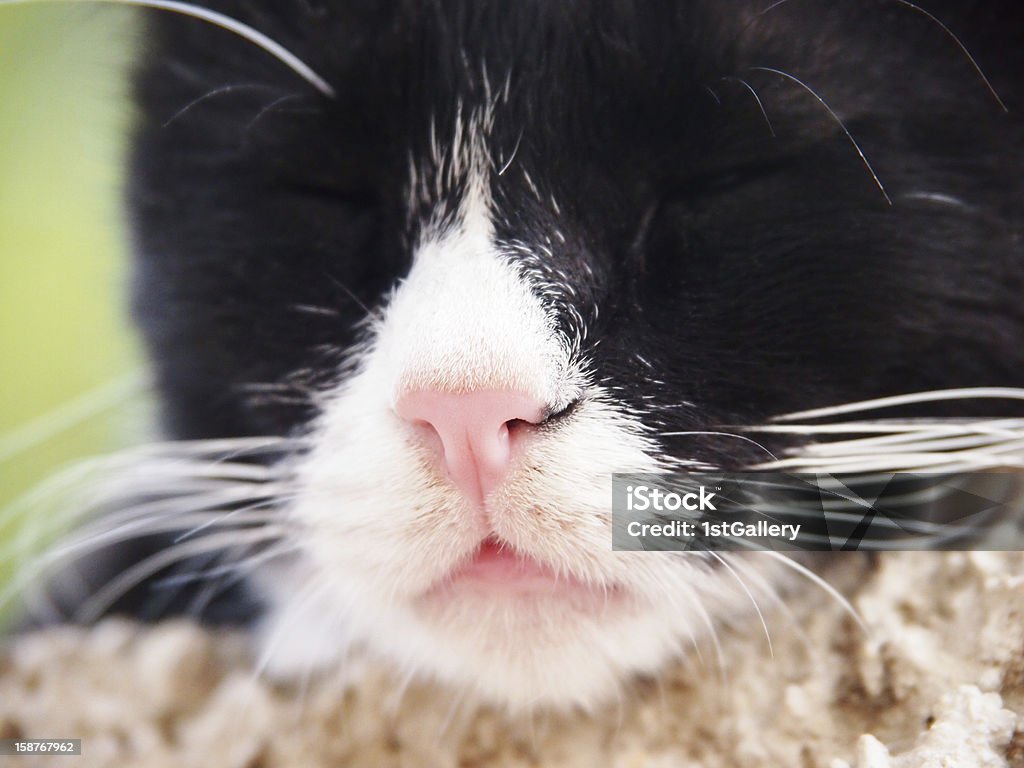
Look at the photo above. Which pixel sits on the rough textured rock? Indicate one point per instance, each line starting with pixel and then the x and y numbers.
pixel 936 680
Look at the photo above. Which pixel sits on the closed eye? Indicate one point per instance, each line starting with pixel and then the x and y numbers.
pixel 712 182
pixel 356 198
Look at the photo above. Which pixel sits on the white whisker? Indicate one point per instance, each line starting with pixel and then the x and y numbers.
pixel 902 445
pixel 946 30
pixel 906 445
pixel 266 110
pixel 757 98
pixel 511 157
pixel 203 490
pixel 842 125
pixel 937 197
pixel 238 567
pixel 139 528
pixel 712 632
pixel 741 563
pixel 949 33
pixel 106 481
pixel 890 427
pixel 211 94
pixel 910 442
pixel 111 529
pixel 696 433
pixel 947 463
pixel 223 21
pixel 65 416
pixel 960 45
pixel 750 595
pixel 914 398
pixel 94 607
pixel 243 516
pixel 820 582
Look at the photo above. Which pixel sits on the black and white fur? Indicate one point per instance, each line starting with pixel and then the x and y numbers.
pixel 669 221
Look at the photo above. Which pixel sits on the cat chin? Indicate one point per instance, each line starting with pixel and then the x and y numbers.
pixel 519 655
pixel 541 645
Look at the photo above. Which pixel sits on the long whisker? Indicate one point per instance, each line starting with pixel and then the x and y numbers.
pixel 104 598
pixel 266 110
pixel 960 45
pixel 966 461
pixel 697 433
pixel 750 595
pixel 949 445
pixel 98 485
pixel 211 94
pixel 169 524
pixel 839 121
pixel 894 429
pixel 914 398
pixel 742 564
pixel 919 441
pixel 244 516
pixel 228 23
pixel 67 415
pixel 941 25
pixel 236 568
pixel 757 98
pixel 820 582
pixel 104 533
pixel 223 577
pixel 204 489
pixel 712 632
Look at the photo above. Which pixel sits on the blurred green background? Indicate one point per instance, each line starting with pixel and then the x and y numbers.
pixel 66 349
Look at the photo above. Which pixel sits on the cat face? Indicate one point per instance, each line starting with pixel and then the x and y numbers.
pixel 517 249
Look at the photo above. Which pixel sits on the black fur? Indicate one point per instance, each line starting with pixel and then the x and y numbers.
pixel 754 273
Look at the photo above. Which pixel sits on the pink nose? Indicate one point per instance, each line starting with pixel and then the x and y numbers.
pixel 472 433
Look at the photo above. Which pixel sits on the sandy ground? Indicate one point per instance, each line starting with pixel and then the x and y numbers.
pixel 936 680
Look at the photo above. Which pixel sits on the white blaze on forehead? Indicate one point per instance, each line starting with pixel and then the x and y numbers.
pixel 465 318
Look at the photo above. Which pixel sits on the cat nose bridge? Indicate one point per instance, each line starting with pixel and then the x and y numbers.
pixel 473 358
pixel 473 378
pixel 472 435
pixel 454 332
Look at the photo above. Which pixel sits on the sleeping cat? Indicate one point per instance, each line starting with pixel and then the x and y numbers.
pixel 417 277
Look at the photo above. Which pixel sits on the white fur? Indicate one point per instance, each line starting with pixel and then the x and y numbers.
pixel 380 527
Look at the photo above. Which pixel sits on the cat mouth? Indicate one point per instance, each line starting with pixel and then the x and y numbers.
pixel 496 568
pixel 497 562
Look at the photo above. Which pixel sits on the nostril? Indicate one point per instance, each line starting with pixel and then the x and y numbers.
pixel 428 434
pixel 515 425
